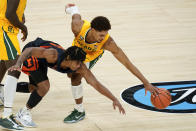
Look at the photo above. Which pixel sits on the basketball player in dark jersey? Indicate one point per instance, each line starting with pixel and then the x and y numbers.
pixel 36 57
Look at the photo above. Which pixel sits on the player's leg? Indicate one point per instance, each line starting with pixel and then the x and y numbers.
pixel 24 115
pixel 25 87
pixel 3 70
pixel 77 90
pixel 39 79
pixel 12 77
pixel 10 88
pixel 9 50
pixel 8 119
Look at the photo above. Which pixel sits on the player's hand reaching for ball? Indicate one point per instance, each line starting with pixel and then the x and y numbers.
pixel 153 90
pixel 116 103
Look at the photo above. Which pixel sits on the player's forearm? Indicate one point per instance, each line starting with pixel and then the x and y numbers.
pixel 76 24
pixel 25 55
pixel 138 74
pixel 76 17
pixel 122 58
pixel 104 91
pixel 13 18
pixel 90 79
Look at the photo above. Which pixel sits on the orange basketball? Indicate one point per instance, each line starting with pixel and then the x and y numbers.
pixel 162 100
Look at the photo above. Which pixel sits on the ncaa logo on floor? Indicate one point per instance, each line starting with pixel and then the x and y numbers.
pixel 183 97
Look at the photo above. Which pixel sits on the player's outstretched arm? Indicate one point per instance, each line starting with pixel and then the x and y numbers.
pixel 118 53
pixel 49 54
pixel 90 78
pixel 77 22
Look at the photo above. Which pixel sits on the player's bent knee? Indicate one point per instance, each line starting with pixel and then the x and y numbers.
pixel 76 79
pixel 43 91
pixel 43 88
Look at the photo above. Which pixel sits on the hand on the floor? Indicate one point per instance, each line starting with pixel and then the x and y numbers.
pixel 117 103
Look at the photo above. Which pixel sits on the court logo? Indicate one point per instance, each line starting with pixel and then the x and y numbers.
pixel 183 97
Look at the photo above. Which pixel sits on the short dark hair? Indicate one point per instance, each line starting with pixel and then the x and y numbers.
pixel 75 53
pixel 100 23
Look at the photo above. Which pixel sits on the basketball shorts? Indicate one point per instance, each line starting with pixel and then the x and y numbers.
pixel 90 64
pixel 37 70
pixel 9 44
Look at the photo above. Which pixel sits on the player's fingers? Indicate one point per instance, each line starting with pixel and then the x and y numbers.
pixel 114 106
pixel 119 110
pixel 156 91
pixel 11 69
pixel 19 69
pixel 123 111
pixel 14 68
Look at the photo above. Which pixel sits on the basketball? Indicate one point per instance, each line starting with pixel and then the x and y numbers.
pixel 162 100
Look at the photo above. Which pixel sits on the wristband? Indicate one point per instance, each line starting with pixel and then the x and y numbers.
pixel 72 10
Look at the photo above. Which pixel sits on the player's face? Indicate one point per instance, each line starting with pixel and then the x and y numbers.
pixel 74 65
pixel 100 35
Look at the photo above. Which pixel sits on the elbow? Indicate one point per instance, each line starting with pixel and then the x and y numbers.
pixel 29 49
pixel 76 16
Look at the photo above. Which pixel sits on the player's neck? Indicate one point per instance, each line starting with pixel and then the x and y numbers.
pixel 90 38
